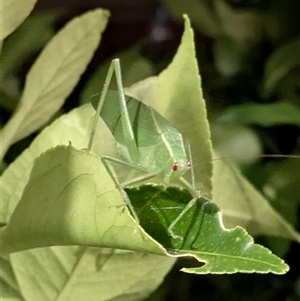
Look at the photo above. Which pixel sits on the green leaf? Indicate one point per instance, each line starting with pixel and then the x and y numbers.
pixel 73 127
pixel 203 234
pixel 56 71
pixel 145 271
pixel 77 273
pixel 281 62
pixel 70 199
pixel 244 205
pixel 282 112
pixel 26 40
pixel 12 229
pixel 176 94
pixel 13 13
pixel 8 283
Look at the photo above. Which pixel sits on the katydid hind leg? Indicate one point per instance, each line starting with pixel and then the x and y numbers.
pixel 100 104
pixel 190 158
pixel 125 119
pixel 179 217
pixel 121 190
pixel 138 179
pixel 133 181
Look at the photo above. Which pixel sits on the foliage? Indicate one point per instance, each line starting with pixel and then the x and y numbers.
pixel 55 195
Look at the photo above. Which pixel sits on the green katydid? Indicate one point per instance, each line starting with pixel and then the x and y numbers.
pixel 154 146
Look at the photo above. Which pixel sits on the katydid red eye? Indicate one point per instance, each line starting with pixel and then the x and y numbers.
pixel 175 166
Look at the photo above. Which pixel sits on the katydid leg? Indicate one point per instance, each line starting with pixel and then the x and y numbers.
pixel 126 124
pixel 100 105
pixel 121 190
pixel 179 217
pixel 139 179
pixel 190 158
pixel 133 181
pixel 126 127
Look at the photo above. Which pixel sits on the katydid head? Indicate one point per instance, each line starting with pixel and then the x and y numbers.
pixel 177 169
pixel 176 165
